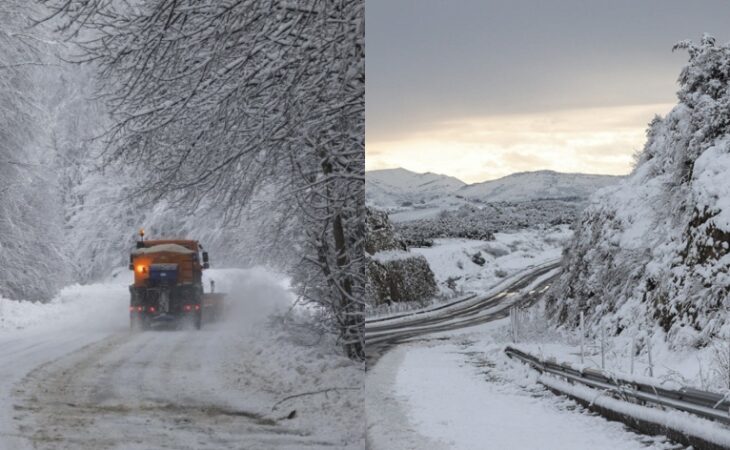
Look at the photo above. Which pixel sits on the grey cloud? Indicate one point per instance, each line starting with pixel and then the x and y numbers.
pixel 432 60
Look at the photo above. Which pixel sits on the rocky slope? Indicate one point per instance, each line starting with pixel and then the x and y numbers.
pixel 652 252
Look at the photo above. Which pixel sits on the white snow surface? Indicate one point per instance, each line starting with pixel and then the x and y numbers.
pixel 391 255
pixel 506 255
pixel 73 362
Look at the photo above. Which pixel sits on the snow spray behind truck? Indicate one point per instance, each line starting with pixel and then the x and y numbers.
pixel 168 284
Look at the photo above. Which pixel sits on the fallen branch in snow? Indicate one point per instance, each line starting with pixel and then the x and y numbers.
pixel 321 391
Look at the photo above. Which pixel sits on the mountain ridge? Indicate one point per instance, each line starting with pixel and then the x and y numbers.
pixel 394 189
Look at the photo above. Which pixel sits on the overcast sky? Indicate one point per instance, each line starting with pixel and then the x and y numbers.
pixel 479 88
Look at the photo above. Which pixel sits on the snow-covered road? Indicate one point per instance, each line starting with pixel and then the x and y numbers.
pixel 79 379
pixel 451 387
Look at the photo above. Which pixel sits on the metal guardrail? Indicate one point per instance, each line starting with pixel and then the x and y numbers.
pixel 709 405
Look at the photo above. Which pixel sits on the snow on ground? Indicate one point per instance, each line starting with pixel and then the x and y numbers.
pixel 705 368
pixel 74 376
pixel 451 259
pixel 459 391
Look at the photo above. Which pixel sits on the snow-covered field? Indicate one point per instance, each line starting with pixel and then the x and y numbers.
pixel 459 391
pixel 453 265
pixel 73 375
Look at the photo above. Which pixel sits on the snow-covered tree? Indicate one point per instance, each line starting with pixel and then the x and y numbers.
pixel 212 101
pixel 31 212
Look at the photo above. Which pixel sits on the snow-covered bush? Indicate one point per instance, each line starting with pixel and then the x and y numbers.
pixel 393 274
pixel 406 278
pixel 379 232
pixel 655 247
pixel 478 259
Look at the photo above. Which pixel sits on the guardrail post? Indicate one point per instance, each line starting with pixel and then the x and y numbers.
pixel 512 321
pixel 582 337
pixel 603 347
pixel 632 350
pixel 648 351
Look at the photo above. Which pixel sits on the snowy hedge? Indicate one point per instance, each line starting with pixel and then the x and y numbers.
pixel 393 274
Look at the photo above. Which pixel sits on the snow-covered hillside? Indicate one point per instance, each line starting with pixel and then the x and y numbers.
pixel 652 253
pixel 542 184
pixel 413 196
pixel 392 188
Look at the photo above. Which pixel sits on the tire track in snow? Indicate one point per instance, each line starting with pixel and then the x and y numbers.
pixel 148 390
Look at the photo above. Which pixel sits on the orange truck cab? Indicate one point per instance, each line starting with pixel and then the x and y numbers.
pixel 168 283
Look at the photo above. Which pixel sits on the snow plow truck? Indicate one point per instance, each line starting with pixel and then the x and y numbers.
pixel 168 284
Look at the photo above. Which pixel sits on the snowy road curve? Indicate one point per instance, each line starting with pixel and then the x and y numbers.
pixel 382 335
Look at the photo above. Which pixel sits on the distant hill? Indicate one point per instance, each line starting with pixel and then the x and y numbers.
pixel 410 196
pixel 539 185
pixel 393 188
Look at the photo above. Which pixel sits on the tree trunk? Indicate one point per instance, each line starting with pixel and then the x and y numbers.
pixel 351 315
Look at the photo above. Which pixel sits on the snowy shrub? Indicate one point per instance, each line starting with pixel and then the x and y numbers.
pixel 478 259
pixel 404 279
pixel 393 274
pixel 721 364
pixel 451 283
pixel 379 233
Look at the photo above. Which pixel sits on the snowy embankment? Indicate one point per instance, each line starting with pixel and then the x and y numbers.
pixel 259 377
pixel 705 368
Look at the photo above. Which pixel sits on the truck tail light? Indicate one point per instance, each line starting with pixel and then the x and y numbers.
pixel 197 307
pixel 188 307
pixel 152 309
pixel 140 309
